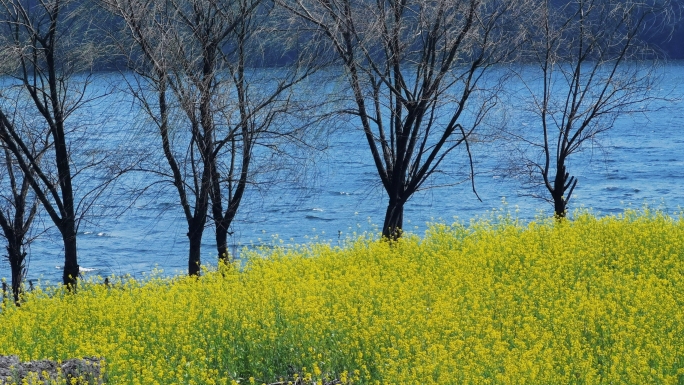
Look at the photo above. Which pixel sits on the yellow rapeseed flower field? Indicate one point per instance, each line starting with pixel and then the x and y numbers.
pixel 587 301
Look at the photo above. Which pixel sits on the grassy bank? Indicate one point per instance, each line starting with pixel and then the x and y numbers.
pixel 593 300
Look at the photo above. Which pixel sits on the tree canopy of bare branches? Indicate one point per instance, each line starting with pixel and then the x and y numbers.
pixel 47 58
pixel 416 70
pixel 191 62
pixel 18 209
pixel 587 66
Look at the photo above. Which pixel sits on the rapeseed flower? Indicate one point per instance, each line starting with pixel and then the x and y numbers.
pixel 587 301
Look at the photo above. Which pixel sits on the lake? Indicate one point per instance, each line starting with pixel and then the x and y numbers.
pixel 639 162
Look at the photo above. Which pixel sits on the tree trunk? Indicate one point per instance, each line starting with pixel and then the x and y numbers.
pixel 16 259
pixel 559 205
pixel 71 269
pixel 195 238
pixel 222 243
pixel 563 186
pixel 394 219
pixel 220 223
pixel 559 202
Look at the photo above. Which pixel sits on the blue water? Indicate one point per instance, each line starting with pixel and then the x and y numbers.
pixel 640 161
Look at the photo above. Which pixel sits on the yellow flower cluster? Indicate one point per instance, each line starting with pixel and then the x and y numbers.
pixel 587 301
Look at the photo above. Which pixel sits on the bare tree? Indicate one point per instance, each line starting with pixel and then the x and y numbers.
pixel 18 209
pixel 256 119
pixel 587 66
pixel 192 61
pixel 418 75
pixel 48 62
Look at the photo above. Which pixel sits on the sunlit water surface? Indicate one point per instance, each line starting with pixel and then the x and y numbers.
pixel 639 162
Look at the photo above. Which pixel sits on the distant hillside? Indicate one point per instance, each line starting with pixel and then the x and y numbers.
pixel 670 41
pixel 666 37
pixel 669 38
